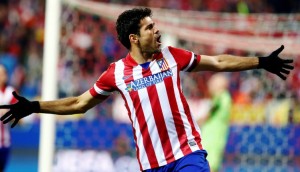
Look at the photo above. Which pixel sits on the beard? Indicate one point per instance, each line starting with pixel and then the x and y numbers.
pixel 149 49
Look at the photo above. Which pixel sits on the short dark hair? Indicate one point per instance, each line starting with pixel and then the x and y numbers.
pixel 129 23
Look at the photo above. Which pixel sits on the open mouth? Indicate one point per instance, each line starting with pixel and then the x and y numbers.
pixel 158 40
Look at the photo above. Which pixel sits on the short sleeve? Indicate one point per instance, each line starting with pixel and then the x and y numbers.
pixel 105 85
pixel 186 60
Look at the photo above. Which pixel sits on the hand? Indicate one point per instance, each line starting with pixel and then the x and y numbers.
pixel 276 65
pixel 19 110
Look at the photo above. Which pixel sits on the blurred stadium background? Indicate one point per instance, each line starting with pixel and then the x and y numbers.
pixel 265 119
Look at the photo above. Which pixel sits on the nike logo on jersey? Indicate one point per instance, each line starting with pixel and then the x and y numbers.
pixel 126 77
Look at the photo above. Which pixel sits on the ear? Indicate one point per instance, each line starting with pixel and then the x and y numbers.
pixel 133 38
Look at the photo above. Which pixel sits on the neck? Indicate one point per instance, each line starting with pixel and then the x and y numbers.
pixel 141 57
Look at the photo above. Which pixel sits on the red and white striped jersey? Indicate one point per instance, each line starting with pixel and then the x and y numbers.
pixel 164 129
pixel 6 97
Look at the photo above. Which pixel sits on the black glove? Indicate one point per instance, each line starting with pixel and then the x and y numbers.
pixel 19 110
pixel 276 65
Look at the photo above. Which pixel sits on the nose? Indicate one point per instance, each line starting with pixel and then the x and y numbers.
pixel 156 30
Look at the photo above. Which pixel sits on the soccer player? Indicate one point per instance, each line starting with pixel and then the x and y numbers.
pixel 6 97
pixel 166 135
pixel 215 128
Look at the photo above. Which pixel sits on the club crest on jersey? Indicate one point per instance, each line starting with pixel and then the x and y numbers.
pixel 163 64
pixel 148 80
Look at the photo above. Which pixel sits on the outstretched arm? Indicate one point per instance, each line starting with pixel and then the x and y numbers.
pixel 230 63
pixel 65 106
pixel 70 105
pixel 226 63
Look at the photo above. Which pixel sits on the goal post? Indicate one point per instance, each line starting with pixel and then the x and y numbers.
pixel 49 84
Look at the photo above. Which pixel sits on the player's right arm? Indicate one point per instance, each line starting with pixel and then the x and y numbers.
pixel 101 90
pixel 70 105
pixel 65 106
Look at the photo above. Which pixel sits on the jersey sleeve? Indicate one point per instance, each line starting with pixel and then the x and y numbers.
pixel 186 60
pixel 105 85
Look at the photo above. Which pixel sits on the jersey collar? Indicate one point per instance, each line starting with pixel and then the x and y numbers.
pixel 130 61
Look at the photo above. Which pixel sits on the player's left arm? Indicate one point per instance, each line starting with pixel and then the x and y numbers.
pixel 230 63
pixel 226 63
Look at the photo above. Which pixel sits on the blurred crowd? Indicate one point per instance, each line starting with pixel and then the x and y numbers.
pixel 89 45
pixel 21 43
pixel 252 6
